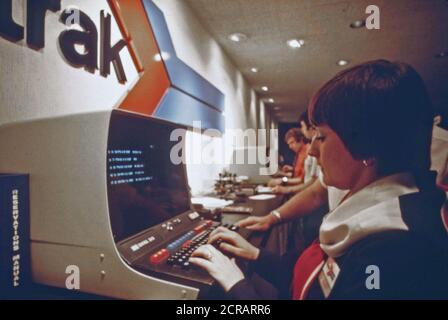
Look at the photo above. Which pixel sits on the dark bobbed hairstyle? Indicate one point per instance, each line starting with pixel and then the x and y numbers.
pixel 381 110
pixel 294 133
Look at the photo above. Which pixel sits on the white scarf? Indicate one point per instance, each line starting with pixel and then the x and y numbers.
pixel 371 210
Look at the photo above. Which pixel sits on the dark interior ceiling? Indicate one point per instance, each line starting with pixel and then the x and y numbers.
pixel 412 31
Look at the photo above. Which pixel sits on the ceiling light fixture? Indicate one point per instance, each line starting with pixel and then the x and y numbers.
pixel 271 100
pixel 295 43
pixel 265 89
pixel 357 24
pixel 254 70
pixel 237 37
pixel 342 63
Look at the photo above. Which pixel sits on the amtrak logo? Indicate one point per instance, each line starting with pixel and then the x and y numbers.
pixel 166 87
pixel 88 37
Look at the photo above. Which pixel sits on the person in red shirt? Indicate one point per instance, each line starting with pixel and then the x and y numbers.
pixel 296 141
pixel 310 167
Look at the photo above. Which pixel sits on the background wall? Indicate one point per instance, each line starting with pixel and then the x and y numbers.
pixel 39 84
pixel 196 47
pixel 243 109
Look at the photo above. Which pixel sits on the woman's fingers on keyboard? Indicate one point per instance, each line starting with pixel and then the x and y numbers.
pixel 227 236
pixel 247 222
pixel 218 230
pixel 204 251
pixel 227 247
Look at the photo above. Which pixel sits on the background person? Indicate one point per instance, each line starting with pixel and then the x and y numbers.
pixel 310 167
pixel 297 143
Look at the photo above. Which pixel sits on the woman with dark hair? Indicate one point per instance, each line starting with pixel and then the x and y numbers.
pixel 386 238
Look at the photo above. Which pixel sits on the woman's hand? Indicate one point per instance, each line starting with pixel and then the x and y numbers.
pixel 234 244
pixel 274 182
pixel 258 223
pixel 281 190
pixel 220 267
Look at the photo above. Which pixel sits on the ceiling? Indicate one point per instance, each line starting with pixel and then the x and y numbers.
pixel 412 31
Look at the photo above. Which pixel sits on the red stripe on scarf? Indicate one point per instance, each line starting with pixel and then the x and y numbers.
pixel 307 263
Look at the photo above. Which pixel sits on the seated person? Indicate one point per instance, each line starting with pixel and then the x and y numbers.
pixel 304 230
pixel 318 195
pixel 374 124
pixel 311 168
pixel 297 143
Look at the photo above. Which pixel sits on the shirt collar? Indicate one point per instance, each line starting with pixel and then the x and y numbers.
pixel 373 209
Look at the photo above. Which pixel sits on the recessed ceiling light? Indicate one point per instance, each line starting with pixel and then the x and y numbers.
pixel 264 88
pixel 342 63
pixel 357 24
pixel 295 43
pixel 237 37
pixel 271 100
pixel 443 54
pixel 254 70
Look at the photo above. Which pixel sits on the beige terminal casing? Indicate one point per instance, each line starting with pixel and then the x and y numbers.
pixel 70 224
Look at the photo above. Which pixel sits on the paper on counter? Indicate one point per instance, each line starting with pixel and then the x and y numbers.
pixel 211 203
pixel 262 197
pixel 261 189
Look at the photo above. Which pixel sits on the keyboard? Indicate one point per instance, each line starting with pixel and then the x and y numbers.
pixel 173 258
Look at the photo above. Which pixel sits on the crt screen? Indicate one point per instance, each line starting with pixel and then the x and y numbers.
pixel 144 186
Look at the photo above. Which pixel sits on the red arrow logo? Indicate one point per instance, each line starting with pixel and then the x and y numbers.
pixel 153 79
